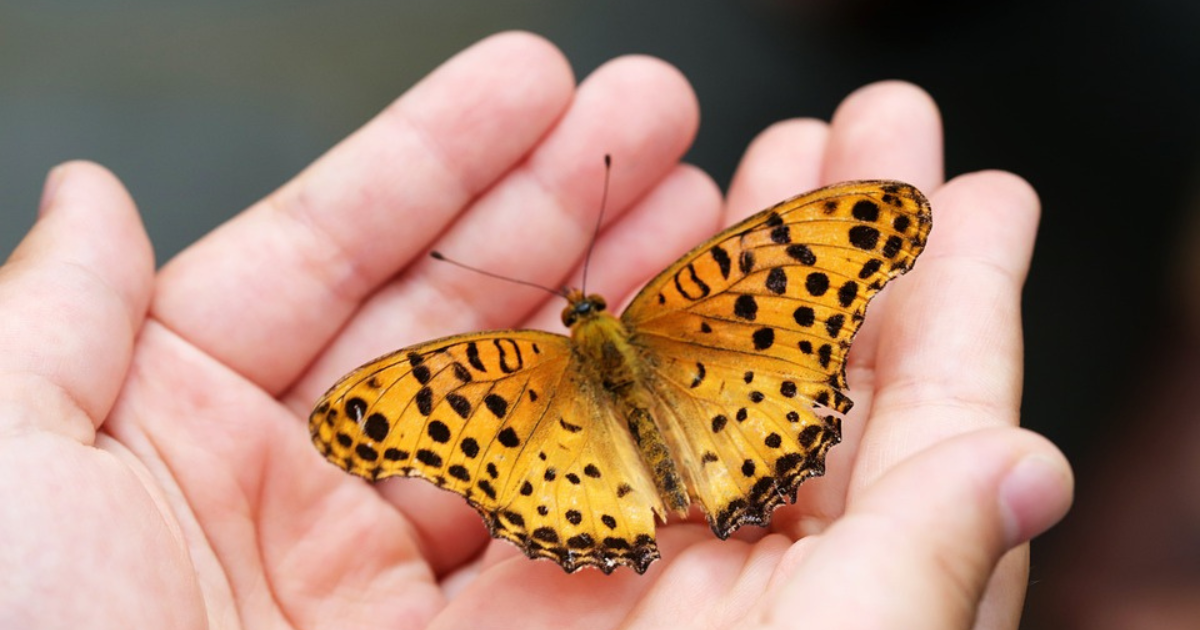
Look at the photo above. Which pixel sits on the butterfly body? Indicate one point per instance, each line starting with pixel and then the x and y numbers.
pixel 606 354
pixel 720 385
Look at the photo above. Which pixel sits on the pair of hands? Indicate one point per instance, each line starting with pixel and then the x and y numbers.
pixel 155 461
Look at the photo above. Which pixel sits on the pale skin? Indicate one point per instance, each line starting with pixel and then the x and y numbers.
pixel 154 455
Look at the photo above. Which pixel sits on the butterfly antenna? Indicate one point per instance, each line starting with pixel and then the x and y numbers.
pixel 436 255
pixel 599 219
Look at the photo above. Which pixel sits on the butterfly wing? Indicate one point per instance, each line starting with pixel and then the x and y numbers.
pixel 507 421
pixel 747 336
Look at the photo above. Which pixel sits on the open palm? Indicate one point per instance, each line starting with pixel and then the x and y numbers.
pixel 155 458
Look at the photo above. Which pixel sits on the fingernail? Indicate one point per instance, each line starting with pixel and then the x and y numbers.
pixel 1034 496
pixel 50 188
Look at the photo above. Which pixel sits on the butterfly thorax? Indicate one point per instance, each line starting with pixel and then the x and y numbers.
pixel 614 366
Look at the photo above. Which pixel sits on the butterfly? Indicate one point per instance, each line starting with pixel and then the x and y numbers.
pixel 721 385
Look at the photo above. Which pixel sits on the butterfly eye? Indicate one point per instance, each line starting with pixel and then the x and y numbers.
pixel 597 302
pixel 569 315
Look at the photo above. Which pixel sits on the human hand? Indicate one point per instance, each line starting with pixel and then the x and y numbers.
pixel 155 454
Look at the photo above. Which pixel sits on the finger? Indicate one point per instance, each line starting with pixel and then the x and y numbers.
pixel 920 545
pixel 533 225
pixel 950 350
pixel 887 130
pixel 73 296
pixel 950 342
pixel 785 160
pixel 265 292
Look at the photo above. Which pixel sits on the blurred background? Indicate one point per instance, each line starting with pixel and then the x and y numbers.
pixel 202 108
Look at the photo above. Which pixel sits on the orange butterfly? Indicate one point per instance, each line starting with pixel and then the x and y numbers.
pixel 708 389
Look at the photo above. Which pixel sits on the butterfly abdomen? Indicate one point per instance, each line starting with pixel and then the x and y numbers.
pixel 656 455
pixel 615 366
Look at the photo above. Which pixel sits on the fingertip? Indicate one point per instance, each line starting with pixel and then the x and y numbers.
pixel 94 223
pixel 889 100
pixel 1035 493
pixel 534 54
pixel 483 108
pixel 782 161
pixel 987 215
pixel 1002 188
pixel 647 70
pixel 675 103
pixel 640 110
pixel 887 130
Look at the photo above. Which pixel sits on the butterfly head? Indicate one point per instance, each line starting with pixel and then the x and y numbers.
pixel 581 307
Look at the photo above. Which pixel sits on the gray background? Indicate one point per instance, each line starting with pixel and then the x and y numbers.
pixel 201 108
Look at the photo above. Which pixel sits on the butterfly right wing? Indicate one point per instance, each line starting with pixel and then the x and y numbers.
pixel 747 337
pixel 509 421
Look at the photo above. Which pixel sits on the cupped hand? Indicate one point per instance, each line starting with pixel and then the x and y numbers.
pixel 154 455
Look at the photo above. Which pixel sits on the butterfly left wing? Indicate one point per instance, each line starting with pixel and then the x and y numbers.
pixel 747 335
pixel 506 420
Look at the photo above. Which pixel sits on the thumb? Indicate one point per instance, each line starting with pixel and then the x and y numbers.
pixel 72 297
pixel 916 549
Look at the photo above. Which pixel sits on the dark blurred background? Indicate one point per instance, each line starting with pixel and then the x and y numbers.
pixel 202 108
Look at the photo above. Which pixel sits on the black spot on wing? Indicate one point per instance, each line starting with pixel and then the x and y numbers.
pixel 892 246
pixel 746 307
pixel 865 210
pixel 781 235
pixel 802 254
pixel 376 427
pixel 804 316
pixel 721 257
pixel 438 431
pixel 461 373
pixel 509 438
pixel 764 338
pixel 422 374
pixel 816 284
pixel 699 377
pixel 870 268
pixel 864 237
pixel 847 293
pixel 746 262
pixel 355 408
pixel 834 324
pixel 424 400
pixel 459 404
pixel 473 357
pixel 496 404
pixel 429 458
pixel 777 281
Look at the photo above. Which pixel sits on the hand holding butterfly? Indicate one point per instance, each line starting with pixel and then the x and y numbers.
pixel 157 469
